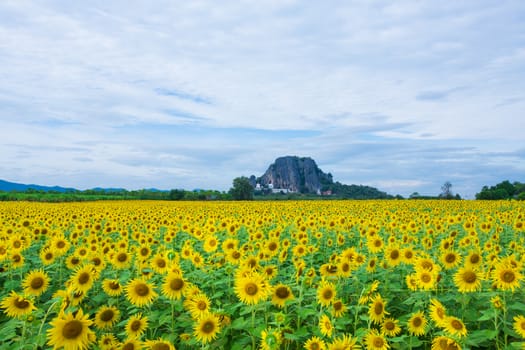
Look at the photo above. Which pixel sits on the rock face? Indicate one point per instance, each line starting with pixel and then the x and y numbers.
pixel 295 174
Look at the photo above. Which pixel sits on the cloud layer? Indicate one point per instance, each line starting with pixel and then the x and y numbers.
pixel 403 96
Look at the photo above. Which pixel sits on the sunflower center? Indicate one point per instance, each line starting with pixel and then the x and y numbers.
pixel 17 244
pixel 282 292
pixel 469 277
pixel 128 346
pixel 378 308
pixel 456 325
pixel 328 294
pixel 61 244
pixel 338 306
pixel 161 263
pixel 417 322
pixel 251 288
pixel 161 346
pixel 72 329
pixel 390 326
pixel 37 282
pixel 114 285
pixel 508 276
pixel 378 243
pixel 83 278
pixel 17 258
pixel 142 289
pixel 314 346
pixel 345 267
pixel 48 256
pixel 201 305
pixel 408 254
pixel 378 342
pixel 21 303
pixel 236 255
pixel 122 257
pixel 107 315
pixel 135 325
pixel 426 278
pixel 74 260
pixel 450 258
pixel 272 246
pixel 208 327
pixel 440 312
pixel 144 251
pixel 474 258
pixel 176 284
pixel 96 261
pixel 394 254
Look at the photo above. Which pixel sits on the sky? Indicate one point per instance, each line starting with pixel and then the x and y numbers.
pixel 399 95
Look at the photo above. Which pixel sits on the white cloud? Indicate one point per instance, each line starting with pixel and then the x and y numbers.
pixel 77 74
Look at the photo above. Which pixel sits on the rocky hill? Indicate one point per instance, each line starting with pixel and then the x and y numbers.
pixel 301 174
pixel 294 174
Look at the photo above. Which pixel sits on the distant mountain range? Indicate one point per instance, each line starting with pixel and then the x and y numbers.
pixel 7 186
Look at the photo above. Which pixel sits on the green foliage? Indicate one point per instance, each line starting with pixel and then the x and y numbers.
pixel 242 189
pixel 503 190
pixel 355 191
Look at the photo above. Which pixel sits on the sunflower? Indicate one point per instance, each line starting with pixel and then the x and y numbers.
pixel 455 326
pixel 467 279
pixel 159 344
pixel 497 303
pixel 474 259
pixel 35 282
pixel 326 293
pixel 16 305
pixel 325 326
pixel 377 311
pixel 251 289
pixel 136 325
pixel 83 278
pixel 271 338
pixel 112 287
pixel 505 277
pixel 173 286
pixel 159 263
pixel 140 293
pixel 198 305
pixel 345 342
pixel 106 317
pixel 210 243
pixel 393 255
pixel 107 342
pixel 206 328
pixel 17 260
pixel 338 308
pixel 390 327
pixel 426 280
pixel 60 245
pixel 444 343
pixel 71 331
pixel 519 325
pixel 121 259
pixel 375 244
pixel 73 261
pixel 281 294
pixel 417 324
pixel 344 268
pixel 450 259
pixel 411 281
pixel 438 313
pixel 315 343
pixel 408 255
pixel 375 341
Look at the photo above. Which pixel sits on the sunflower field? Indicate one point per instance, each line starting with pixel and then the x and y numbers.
pixel 262 275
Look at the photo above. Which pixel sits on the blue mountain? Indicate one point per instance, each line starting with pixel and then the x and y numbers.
pixel 7 186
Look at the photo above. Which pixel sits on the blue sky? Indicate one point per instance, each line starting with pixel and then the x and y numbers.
pixel 400 95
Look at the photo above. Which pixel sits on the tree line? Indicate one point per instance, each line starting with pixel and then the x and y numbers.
pixel 503 190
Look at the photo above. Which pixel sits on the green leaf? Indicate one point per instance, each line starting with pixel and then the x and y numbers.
pixel 240 323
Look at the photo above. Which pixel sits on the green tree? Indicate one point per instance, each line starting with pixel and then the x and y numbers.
pixel 242 189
